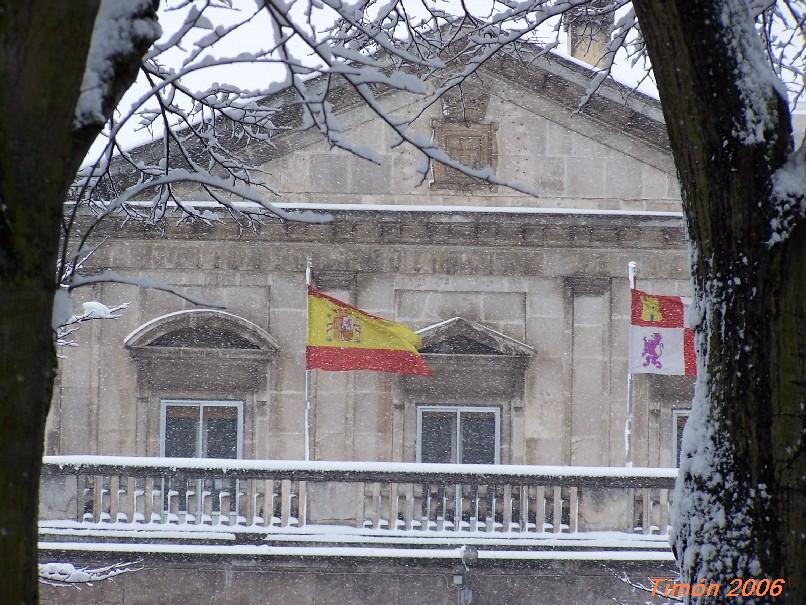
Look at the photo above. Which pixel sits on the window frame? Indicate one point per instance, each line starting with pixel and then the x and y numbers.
pixel 458 409
pixel 676 415
pixel 201 404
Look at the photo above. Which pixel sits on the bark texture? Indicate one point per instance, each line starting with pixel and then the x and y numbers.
pixel 741 499
pixel 43 53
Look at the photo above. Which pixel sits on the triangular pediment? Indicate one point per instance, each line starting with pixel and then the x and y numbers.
pixel 564 83
pixel 523 122
pixel 558 83
pixel 459 336
pixel 549 88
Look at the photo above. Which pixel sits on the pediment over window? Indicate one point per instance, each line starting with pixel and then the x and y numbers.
pixel 459 336
pixel 200 331
pixel 470 362
pixel 213 337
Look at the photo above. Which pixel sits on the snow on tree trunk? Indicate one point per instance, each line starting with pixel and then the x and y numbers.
pixel 740 504
pixel 43 54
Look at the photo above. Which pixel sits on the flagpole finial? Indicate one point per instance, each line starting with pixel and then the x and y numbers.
pixel 309 271
pixel 632 270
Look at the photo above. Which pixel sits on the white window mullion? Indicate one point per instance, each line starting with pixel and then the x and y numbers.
pixel 498 438
pixel 200 450
pixel 239 437
pixel 457 449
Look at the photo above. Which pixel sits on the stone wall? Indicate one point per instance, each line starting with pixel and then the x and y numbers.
pixel 555 282
pixel 360 582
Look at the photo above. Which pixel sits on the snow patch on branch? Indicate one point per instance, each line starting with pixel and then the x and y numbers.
pixel 756 81
pixel 119 29
pixel 67 574
pixel 64 323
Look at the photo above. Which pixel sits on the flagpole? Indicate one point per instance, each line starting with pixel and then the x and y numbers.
pixel 632 269
pixel 308 271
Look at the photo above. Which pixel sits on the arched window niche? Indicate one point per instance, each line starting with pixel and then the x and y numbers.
pixel 196 364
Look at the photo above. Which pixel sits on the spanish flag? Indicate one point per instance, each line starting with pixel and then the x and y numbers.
pixel 342 337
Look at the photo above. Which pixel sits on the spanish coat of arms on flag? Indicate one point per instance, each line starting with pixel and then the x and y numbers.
pixel 343 337
pixel 660 340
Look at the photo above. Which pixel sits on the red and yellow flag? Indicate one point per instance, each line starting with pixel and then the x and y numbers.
pixel 660 340
pixel 342 337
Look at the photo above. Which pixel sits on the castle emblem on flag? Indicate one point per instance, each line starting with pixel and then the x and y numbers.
pixel 343 327
pixel 650 308
pixel 653 350
pixel 660 340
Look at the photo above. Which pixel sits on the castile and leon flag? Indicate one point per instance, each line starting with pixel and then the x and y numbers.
pixel 343 337
pixel 660 340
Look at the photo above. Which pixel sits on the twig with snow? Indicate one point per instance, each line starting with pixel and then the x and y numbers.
pixel 68 575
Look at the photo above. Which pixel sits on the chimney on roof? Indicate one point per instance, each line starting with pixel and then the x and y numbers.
pixel 589 28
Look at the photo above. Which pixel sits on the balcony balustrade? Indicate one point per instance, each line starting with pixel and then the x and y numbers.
pixel 264 497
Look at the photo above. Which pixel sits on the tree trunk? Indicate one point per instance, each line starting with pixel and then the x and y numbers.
pixel 43 53
pixel 741 500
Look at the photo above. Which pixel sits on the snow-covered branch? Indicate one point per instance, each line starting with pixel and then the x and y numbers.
pixel 68 575
pixel 64 321
pixel 655 588
pixel 123 29
pixel 321 50
pixel 112 277
pixel 214 140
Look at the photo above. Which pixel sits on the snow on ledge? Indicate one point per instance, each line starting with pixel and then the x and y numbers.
pixel 456 209
pixel 429 208
pixel 322 535
pixel 341 466
pixel 246 550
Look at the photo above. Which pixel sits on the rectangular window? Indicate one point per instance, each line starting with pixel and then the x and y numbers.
pixel 458 434
pixel 679 419
pixel 201 429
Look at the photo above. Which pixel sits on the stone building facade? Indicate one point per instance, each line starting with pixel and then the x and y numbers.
pixel 522 303
pixel 541 299
pixel 534 288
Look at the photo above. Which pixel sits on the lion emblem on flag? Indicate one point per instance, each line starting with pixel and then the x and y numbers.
pixel 653 350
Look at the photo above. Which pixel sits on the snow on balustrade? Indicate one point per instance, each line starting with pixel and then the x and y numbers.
pixel 207 501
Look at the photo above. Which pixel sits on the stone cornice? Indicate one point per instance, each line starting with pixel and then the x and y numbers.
pixel 424 228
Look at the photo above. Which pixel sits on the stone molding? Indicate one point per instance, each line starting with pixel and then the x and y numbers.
pixel 550 230
pixel 496 342
pixel 215 368
pixel 146 338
